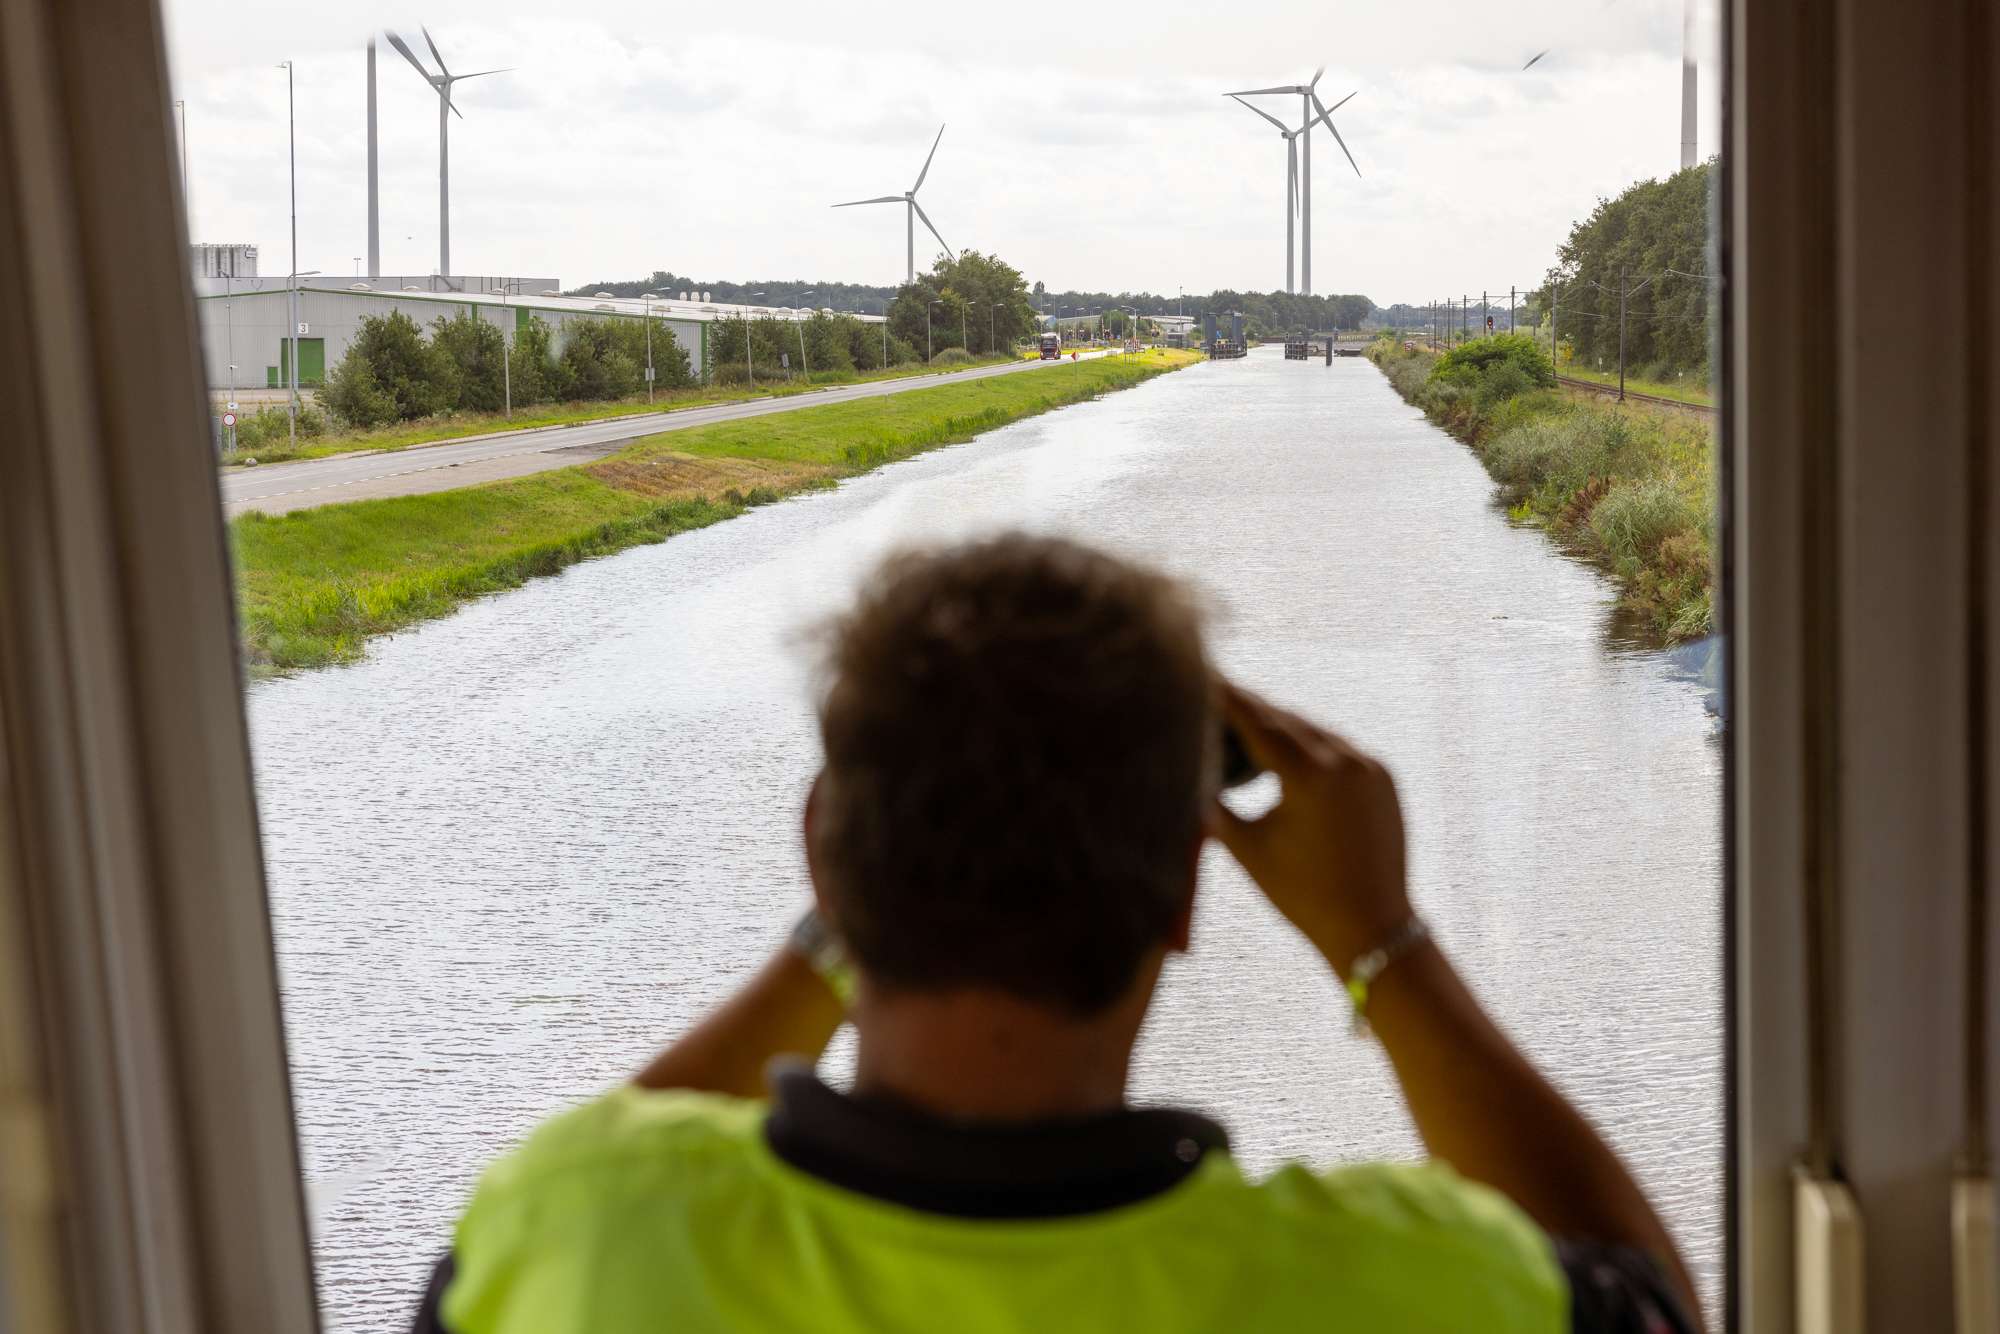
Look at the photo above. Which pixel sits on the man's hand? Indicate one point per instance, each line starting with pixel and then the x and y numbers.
pixel 1329 855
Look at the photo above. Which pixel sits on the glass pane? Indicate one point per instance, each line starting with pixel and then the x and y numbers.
pixel 533 721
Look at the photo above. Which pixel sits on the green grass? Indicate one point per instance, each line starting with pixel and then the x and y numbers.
pixel 1631 489
pixel 1698 391
pixel 457 425
pixel 314 585
pixel 859 435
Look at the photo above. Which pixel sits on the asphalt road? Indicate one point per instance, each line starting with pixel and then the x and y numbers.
pixel 281 487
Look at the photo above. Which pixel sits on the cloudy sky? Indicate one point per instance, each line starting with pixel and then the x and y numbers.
pixel 1087 143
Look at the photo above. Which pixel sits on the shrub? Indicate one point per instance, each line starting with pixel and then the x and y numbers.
pixel 475 349
pixel 269 425
pixel 390 373
pixel 529 360
pixel 594 363
pixel 952 356
pixel 1634 521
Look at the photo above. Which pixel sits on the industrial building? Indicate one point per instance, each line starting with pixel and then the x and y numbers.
pixel 247 325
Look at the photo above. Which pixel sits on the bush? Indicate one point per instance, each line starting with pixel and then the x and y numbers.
pixel 952 356
pixel 270 425
pixel 1496 368
pixel 594 363
pixel 390 373
pixel 529 359
pixel 475 349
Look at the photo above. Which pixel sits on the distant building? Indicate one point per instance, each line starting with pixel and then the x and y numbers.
pixel 209 260
pixel 246 327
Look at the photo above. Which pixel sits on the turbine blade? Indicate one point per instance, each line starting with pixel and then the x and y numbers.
pixel 434 50
pixel 879 199
pixel 453 105
pixel 510 69
pixel 927 163
pixel 410 56
pixel 1537 56
pixel 1265 92
pixel 1345 100
pixel 1327 116
pixel 1317 75
pixel 1292 170
pixel 1265 114
pixel 934 231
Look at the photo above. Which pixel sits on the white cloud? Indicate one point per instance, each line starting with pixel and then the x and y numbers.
pixel 1087 144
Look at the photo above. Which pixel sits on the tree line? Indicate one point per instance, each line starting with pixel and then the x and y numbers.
pixel 849 298
pixel 1652 243
pixel 393 372
pixel 1265 313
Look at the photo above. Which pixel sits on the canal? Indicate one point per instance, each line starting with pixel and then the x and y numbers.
pixel 515 850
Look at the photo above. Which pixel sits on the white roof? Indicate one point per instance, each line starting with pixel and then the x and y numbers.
pixel 706 312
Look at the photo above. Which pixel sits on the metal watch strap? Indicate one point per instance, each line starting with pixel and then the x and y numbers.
pixel 815 942
pixel 1361 974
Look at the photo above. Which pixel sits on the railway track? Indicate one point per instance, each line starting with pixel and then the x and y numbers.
pixel 1633 395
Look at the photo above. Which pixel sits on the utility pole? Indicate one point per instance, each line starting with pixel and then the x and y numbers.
pixel 1510 310
pixel 1555 309
pixel 1621 335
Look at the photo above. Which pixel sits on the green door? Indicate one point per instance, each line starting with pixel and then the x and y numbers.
pixel 312 361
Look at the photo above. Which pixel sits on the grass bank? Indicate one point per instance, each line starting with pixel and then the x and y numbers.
pixel 1630 488
pixel 1681 391
pixel 457 425
pixel 314 585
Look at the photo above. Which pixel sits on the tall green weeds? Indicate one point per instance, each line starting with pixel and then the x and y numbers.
pixel 1631 489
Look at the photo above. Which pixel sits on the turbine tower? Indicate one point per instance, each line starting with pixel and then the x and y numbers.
pixel 374 192
pixel 442 82
pixel 1687 85
pixel 1310 100
pixel 911 213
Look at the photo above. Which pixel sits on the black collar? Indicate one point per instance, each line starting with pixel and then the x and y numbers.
pixel 1044 1169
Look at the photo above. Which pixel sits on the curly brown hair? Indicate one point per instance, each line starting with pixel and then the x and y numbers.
pixel 1019 737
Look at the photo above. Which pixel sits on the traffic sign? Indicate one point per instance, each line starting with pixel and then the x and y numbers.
pixel 229 418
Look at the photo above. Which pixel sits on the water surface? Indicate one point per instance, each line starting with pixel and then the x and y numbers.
pixel 514 851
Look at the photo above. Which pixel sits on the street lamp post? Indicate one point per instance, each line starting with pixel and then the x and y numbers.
pixel 507 348
pixel 648 298
pixel 803 364
pixel 292 134
pixel 747 364
pixel 964 328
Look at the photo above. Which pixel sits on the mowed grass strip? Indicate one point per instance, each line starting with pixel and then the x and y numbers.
pixel 456 425
pixel 314 585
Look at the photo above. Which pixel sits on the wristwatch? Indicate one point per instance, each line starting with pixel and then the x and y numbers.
pixel 815 942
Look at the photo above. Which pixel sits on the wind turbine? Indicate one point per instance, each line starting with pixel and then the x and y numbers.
pixel 442 82
pixel 912 213
pixel 1291 175
pixel 1310 100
